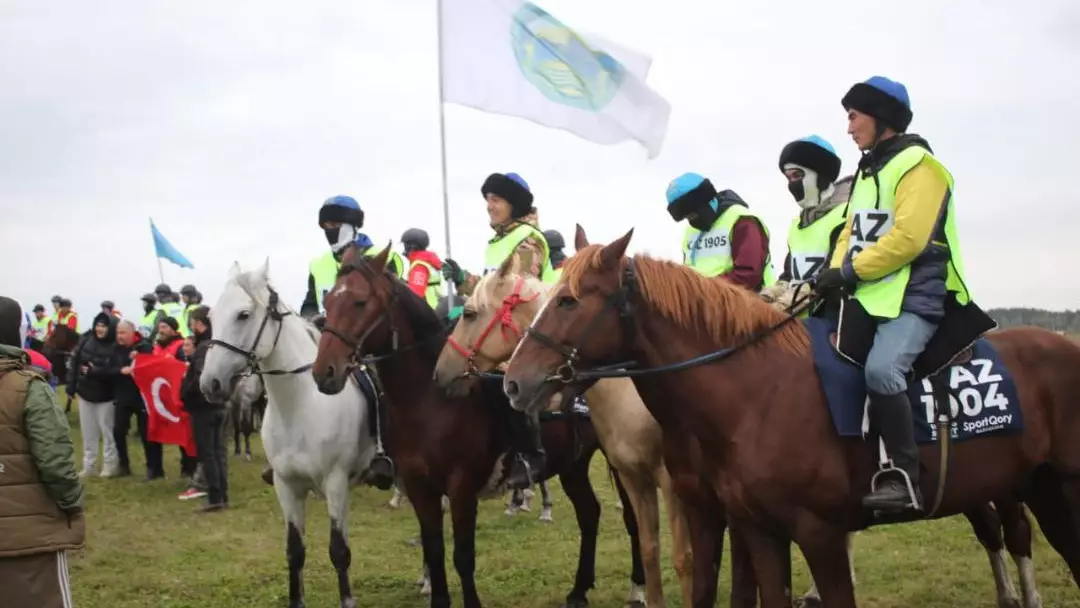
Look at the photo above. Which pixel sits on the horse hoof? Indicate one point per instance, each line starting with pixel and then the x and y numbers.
pixel 635 604
pixel 808 602
pixel 348 603
pixel 575 603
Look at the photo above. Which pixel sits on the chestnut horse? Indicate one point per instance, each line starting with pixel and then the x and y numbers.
pixel 502 303
pixel 755 413
pixel 490 328
pixel 443 445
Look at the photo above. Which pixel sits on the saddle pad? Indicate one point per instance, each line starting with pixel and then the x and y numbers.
pixel 982 393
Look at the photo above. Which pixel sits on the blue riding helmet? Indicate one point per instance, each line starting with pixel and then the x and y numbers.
pixel 342 209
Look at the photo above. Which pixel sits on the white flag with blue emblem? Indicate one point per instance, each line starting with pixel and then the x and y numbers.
pixel 512 57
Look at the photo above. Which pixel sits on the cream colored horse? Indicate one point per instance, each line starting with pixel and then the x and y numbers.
pixel 501 306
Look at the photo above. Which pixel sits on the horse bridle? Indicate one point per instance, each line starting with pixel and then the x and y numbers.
pixel 356 358
pixel 504 318
pixel 620 300
pixel 251 365
pixel 567 373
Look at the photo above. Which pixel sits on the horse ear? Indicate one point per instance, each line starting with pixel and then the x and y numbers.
pixel 235 270
pixel 264 270
pixel 580 240
pixel 379 261
pixel 506 266
pixel 614 252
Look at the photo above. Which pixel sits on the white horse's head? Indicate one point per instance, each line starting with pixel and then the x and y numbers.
pixel 242 330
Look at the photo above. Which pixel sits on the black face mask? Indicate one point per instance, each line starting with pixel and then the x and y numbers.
pixel 147 307
pixel 796 189
pixel 332 235
pixel 704 219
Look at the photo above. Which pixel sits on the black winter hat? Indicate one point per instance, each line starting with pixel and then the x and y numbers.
pixel 514 189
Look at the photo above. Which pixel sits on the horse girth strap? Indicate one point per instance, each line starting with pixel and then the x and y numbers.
pixel 944 436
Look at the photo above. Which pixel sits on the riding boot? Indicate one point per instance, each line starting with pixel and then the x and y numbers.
pixel 380 472
pixel 528 466
pixel 891 416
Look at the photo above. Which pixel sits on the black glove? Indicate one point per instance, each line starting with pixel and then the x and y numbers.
pixel 831 280
pixel 451 271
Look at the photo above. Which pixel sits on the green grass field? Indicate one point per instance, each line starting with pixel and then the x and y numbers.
pixel 146 548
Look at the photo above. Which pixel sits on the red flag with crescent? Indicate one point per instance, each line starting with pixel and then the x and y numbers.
pixel 158 378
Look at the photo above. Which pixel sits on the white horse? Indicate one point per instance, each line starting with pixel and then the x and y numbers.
pixel 313 441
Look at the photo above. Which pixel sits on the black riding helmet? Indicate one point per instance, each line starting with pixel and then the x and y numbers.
pixel 415 239
pixel 65 302
pixel 189 291
pixel 149 297
pixel 56 299
pixel 108 304
pixel 554 239
pixel 162 288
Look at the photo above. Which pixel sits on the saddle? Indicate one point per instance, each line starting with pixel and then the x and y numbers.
pixel 951 344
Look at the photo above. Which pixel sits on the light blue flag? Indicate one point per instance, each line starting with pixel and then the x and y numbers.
pixel 164 249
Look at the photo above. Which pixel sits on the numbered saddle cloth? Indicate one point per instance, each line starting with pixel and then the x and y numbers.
pixel 982 393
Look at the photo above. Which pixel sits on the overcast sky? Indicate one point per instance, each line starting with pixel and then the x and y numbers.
pixel 230 122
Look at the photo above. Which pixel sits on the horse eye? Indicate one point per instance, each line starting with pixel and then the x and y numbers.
pixel 243 315
pixel 468 314
pixel 360 303
pixel 566 302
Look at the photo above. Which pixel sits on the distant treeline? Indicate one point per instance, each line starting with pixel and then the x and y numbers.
pixel 1067 321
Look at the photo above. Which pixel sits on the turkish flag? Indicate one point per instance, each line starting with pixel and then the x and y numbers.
pixel 158 378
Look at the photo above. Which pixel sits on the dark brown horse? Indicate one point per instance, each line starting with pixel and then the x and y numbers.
pixel 442 445
pixel 757 418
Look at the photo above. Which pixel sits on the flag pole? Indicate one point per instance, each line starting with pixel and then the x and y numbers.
pixel 442 139
pixel 160 271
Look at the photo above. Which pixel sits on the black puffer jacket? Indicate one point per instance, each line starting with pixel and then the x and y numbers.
pixel 127 394
pixel 98 383
pixel 190 392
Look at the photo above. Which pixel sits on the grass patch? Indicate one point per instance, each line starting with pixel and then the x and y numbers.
pixel 146 548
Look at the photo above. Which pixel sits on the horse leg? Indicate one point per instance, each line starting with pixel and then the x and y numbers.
pixel 1051 508
pixel 987 526
pixel 249 428
pixel 827 550
pixel 707 542
pixel 292 504
pixel 513 504
pixel 812 598
pixel 428 508
pixel 235 428
pixel 680 538
pixel 545 504
pixel 463 515
pixel 770 554
pixel 642 522
pixel 1017 529
pixel 575 483
pixel 336 489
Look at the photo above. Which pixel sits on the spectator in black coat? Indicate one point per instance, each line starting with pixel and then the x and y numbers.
pixel 207 419
pixel 92 377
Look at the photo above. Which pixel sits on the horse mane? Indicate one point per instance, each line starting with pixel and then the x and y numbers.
pixel 728 313
pixel 426 325
pixel 484 294
pixel 253 286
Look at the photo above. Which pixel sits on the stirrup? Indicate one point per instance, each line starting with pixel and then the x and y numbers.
pixel 886 467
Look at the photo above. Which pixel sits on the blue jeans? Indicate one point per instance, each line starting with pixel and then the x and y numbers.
pixel 897 343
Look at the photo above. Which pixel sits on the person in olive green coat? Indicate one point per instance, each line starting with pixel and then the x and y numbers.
pixel 41 516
